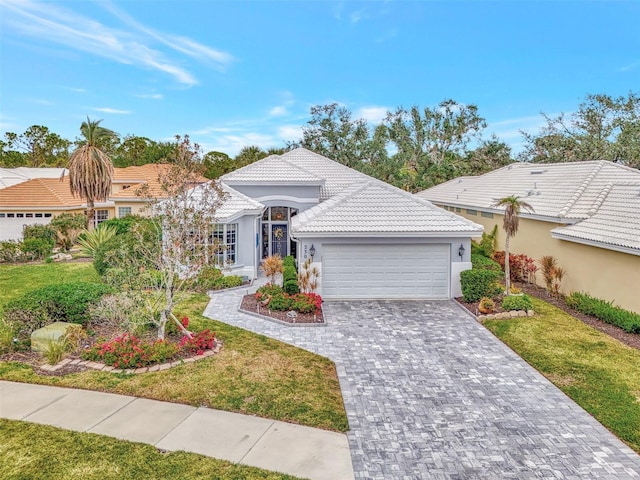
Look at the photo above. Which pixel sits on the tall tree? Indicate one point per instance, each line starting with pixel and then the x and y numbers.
pixel 90 169
pixel 513 206
pixel 333 133
pixel 603 128
pixel 37 146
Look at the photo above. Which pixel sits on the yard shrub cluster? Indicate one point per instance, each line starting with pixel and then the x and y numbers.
pixel 521 267
pixel 211 277
pixel 481 262
pixel 129 351
pixel 517 302
pixel 479 282
pixel 290 276
pixel 64 302
pixel 605 311
pixel 38 243
pixel 279 300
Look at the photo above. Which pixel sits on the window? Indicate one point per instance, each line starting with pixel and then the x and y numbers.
pixel 29 215
pixel 124 211
pixel 486 214
pixel 1 215
pixel 11 215
pixel 101 216
pixel 471 212
pixel 47 215
pixel 38 215
pixel 225 236
pixel 20 215
pixel 458 209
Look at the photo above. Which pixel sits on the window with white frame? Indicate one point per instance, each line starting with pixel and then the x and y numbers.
pixel 124 211
pixel 225 237
pixel 101 216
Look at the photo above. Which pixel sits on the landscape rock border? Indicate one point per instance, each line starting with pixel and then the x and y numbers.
pixel 108 368
pixel 506 315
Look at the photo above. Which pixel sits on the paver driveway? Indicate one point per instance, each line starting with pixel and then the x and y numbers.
pixel 431 394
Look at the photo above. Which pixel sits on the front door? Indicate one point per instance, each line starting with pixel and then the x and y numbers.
pixel 279 239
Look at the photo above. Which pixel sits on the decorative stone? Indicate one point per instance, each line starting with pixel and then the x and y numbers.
pixel 154 368
pixel 513 313
pixel 141 370
pixel 503 315
pixel 530 313
pixel 61 257
pixel 522 313
pixel 45 336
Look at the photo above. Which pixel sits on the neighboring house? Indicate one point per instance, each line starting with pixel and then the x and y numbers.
pixel 38 200
pixel 14 176
pixel 368 238
pixel 587 215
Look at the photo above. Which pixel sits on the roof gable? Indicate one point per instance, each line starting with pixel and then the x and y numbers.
pixel 375 207
pixel 273 169
pixel 40 192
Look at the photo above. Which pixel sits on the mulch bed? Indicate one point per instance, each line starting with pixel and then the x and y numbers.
pixel 630 339
pixel 250 304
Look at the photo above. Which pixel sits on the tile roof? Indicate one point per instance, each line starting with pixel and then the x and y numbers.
pixel 374 207
pixel 571 190
pixel 615 223
pixel 299 166
pixel 14 176
pixel 273 169
pixel 40 192
pixel 237 203
pixel 138 176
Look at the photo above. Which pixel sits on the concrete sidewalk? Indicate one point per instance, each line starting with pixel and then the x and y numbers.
pixel 283 447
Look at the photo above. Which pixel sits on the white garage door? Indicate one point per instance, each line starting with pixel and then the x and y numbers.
pixel 11 228
pixel 385 271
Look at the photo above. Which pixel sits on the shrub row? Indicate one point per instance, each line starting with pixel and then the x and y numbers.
pixel 212 278
pixel 290 276
pixel 481 262
pixel 605 311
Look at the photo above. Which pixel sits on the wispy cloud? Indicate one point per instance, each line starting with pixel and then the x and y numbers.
pixel 278 111
pixel 138 47
pixel 78 90
pixel 112 110
pixel 152 96
pixel 373 114
pixel 290 132
pixel 629 67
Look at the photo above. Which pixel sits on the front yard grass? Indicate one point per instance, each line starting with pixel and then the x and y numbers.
pixel 252 374
pixel 40 452
pixel 598 372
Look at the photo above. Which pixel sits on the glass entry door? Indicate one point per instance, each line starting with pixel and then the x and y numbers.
pixel 279 239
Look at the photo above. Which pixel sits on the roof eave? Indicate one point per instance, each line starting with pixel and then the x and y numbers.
pixel 594 243
pixel 437 234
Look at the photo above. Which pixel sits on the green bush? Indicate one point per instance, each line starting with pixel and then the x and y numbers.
pixel 478 283
pixel 90 241
pixel 44 232
pixel 280 302
pixel 36 248
pixel 124 224
pixel 605 311
pixel 10 251
pixel 228 281
pixel 291 287
pixel 517 302
pixel 64 302
pixel 480 261
pixel 268 289
pixel 289 261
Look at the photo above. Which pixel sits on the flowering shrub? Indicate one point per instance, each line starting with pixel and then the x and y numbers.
pixel 128 351
pixel 521 267
pixel 201 341
pixel 280 301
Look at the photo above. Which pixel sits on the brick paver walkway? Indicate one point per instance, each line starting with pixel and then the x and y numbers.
pixel 431 394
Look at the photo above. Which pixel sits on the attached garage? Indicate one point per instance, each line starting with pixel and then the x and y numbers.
pixel 386 271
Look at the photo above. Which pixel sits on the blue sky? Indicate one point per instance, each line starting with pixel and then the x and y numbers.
pixel 239 73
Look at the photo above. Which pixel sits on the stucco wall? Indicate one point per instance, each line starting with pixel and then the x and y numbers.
pixel 300 197
pixel 137 208
pixel 602 273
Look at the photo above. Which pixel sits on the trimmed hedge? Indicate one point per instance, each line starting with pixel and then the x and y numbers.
pixel 482 262
pixel 517 302
pixel 478 283
pixel 290 276
pixel 605 311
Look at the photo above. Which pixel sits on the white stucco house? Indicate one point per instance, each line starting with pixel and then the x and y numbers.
pixel 369 239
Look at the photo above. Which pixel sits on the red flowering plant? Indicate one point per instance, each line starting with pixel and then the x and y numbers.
pixel 128 351
pixel 201 341
pixel 279 300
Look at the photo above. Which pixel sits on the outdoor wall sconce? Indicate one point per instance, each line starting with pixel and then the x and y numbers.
pixel 461 251
pixel 312 251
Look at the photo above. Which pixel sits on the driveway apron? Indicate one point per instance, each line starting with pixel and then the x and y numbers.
pixel 431 394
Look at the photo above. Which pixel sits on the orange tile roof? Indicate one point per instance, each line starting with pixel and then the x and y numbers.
pixel 40 192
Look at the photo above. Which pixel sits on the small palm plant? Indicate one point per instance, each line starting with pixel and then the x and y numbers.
pixel 90 240
pixel 512 208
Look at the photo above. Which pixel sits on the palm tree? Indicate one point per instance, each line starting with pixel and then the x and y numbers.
pixel 512 208
pixel 90 169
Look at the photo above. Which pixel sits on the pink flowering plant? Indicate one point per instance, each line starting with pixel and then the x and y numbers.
pixel 128 351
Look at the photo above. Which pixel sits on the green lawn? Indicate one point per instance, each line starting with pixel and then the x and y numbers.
pixel 40 452
pixel 252 374
pixel 599 373
pixel 16 279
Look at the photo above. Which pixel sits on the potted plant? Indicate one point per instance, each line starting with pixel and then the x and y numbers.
pixel 486 305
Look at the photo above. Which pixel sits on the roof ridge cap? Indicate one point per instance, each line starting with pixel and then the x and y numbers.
pixel 583 186
pixel 299 167
pixel 597 203
pixel 330 203
pixel 53 192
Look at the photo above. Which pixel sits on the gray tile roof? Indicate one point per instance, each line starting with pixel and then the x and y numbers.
pixel 299 166
pixel 237 203
pixel 374 207
pixel 598 200
pixel 616 222
pixel 273 169
pixel 561 190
